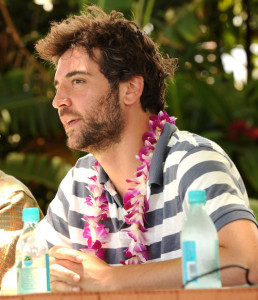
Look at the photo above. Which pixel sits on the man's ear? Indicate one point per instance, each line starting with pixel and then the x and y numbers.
pixel 133 90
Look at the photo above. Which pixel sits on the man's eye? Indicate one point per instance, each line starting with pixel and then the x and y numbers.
pixel 77 81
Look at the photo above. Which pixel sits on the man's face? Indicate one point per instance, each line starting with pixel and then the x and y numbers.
pixel 88 109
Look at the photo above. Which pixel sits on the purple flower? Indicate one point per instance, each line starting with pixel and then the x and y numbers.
pixel 101 253
pixel 150 137
pixel 94 244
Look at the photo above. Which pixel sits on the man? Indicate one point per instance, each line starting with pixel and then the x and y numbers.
pixel 114 213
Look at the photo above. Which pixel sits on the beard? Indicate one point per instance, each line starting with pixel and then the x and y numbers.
pixel 101 127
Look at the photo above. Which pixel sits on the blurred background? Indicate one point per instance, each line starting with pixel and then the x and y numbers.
pixel 214 92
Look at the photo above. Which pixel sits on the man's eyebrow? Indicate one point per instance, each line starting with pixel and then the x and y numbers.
pixel 71 74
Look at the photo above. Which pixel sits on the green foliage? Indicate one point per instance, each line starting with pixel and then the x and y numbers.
pixel 248 160
pixel 48 171
pixel 254 206
pixel 27 104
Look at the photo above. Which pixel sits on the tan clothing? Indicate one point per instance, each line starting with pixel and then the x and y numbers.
pixel 14 196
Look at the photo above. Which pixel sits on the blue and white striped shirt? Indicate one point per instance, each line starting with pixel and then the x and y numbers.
pixel 182 161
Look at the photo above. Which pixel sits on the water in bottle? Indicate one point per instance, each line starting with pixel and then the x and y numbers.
pixel 32 263
pixel 199 243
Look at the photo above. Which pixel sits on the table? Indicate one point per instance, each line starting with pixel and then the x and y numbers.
pixel 246 293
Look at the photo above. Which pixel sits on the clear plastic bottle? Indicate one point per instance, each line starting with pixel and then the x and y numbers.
pixel 199 244
pixel 32 261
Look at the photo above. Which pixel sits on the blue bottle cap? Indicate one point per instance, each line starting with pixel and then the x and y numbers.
pixel 197 196
pixel 30 214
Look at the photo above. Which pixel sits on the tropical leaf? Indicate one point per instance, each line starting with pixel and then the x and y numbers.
pixel 41 169
pixel 28 111
pixel 249 164
pixel 109 5
pixel 188 26
pixel 254 206
pixel 214 102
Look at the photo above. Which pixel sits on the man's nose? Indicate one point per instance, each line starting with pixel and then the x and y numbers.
pixel 61 98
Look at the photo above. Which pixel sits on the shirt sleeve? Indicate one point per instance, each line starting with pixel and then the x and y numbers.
pixel 207 169
pixel 54 227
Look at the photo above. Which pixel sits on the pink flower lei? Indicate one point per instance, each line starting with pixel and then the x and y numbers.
pixel 135 200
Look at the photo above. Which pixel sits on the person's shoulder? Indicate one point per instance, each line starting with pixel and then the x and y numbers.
pixel 187 141
pixel 11 185
pixel 83 168
pixel 75 179
pixel 86 162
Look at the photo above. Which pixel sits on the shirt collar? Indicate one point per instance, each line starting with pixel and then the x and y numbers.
pixel 160 154
pixel 103 177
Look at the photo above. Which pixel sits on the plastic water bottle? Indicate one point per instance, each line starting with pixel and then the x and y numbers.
pixel 32 261
pixel 199 244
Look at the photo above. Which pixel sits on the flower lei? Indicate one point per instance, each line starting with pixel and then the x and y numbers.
pixel 135 200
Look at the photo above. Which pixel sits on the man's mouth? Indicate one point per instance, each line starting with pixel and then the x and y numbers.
pixel 69 123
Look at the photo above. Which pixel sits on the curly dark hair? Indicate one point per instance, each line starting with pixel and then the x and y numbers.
pixel 126 51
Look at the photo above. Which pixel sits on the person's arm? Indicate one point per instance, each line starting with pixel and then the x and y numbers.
pixel 96 275
pixel 238 242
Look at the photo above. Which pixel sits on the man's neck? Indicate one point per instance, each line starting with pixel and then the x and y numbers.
pixel 119 161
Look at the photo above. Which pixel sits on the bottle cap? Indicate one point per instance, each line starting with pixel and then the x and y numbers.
pixel 197 196
pixel 30 214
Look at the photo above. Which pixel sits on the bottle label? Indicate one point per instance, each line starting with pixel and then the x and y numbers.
pixel 47 272
pixel 189 261
pixel 33 279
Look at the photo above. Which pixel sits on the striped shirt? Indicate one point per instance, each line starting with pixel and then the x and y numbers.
pixel 182 161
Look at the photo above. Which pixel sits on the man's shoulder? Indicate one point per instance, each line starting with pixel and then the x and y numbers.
pixel 81 169
pixel 85 162
pixel 187 141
